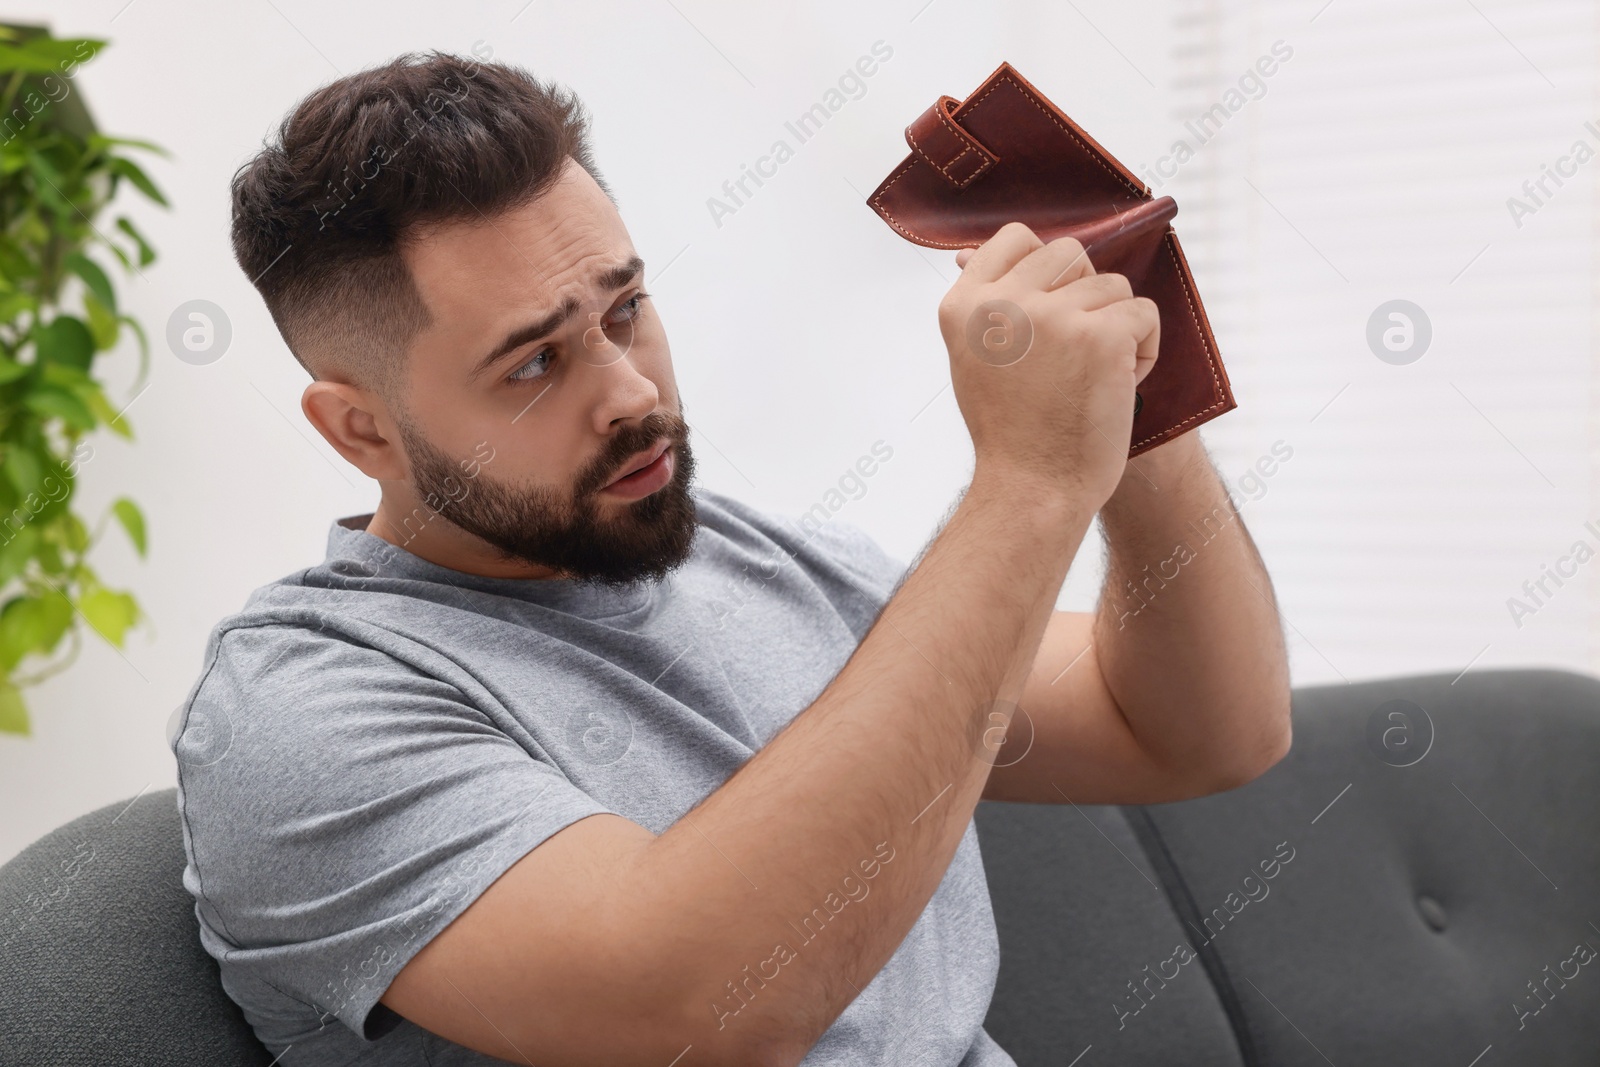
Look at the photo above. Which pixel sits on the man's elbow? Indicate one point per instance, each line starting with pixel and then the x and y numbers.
pixel 1259 756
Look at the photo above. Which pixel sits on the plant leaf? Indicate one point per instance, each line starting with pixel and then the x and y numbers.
pixel 110 613
pixel 65 375
pixel 49 559
pixel 13 712
pixel 132 520
pixel 97 402
pixel 130 170
pixel 49 183
pixel 61 49
pixel 103 324
pixel 146 253
pixel 32 624
pixel 99 140
pixel 14 260
pixel 14 304
pixel 23 469
pixel 16 549
pixel 57 615
pixel 14 58
pixel 93 277
pixel 65 340
pixel 62 403
pixel 73 532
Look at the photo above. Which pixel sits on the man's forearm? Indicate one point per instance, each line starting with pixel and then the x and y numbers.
pixel 1187 633
pixel 876 781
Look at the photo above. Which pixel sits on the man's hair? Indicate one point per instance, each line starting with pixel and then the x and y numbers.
pixel 321 213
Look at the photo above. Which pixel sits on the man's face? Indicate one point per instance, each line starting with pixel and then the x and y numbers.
pixel 562 400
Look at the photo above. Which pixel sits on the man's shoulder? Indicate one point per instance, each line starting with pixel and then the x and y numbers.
pixel 315 638
pixel 265 670
pixel 716 509
pixel 282 620
pixel 794 528
pixel 815 537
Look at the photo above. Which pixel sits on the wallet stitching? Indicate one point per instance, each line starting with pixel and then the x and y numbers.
pixel 983 165
pixel 1210 356
pixel 945 170
pixel 987 156
pixel 1029 97
pixel 911 162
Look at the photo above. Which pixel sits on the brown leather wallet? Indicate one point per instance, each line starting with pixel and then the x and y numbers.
pixel 1006 154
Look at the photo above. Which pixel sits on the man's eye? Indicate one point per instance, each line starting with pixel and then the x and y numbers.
pixel 543 353
pixel 634 305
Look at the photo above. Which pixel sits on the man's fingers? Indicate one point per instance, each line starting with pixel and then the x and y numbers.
pixel 1055 265
pixel 1140 317
pixel 1000 253
pixel 1095 291
pixel 1063 267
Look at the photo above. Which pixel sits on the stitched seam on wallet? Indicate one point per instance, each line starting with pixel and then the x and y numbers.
pixel 1064 129
pixel 985 157
pixel 983 165
pixel 1004 78
pixel 945 170
pixel 1210 356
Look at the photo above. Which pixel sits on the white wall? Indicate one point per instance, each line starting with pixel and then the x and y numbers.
pixel 804 329
pixel 1377 166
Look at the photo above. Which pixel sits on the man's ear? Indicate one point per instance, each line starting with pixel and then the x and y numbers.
pixel 357 424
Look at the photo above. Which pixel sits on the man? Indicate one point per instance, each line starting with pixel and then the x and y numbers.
pixel 558 759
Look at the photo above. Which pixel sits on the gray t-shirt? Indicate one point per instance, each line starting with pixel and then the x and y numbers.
pixel 374 740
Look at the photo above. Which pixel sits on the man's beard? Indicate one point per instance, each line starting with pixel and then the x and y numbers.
pixel 644 539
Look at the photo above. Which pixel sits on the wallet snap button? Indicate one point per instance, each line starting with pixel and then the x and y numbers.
pixel 1138 401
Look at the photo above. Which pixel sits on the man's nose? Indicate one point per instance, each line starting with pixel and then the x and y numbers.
pixel 626 394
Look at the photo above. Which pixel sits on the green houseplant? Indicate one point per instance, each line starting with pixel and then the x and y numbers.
pixel 58 312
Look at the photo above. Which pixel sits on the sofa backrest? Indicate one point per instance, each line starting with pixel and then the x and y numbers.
pixel 100 953
pixel 1416 882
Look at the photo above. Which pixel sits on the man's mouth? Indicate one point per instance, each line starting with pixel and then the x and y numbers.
pixel 641 461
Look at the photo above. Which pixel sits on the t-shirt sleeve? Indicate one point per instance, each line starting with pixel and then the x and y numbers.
pixel 340 808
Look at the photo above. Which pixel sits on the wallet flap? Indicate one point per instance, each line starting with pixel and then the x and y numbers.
pixel 1045 152
pixel 946 147
pixel 1006 78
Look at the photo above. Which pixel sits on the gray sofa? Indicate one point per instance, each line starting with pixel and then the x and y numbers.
pixel 1417 883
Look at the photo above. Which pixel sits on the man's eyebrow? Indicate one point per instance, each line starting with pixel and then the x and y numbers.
pixel 607 279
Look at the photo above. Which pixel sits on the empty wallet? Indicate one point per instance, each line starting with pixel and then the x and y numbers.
pixel 1008 154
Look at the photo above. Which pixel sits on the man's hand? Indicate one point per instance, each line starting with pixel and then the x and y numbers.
pixel 1044 356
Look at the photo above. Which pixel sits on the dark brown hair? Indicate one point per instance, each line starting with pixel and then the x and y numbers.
pixel 321 213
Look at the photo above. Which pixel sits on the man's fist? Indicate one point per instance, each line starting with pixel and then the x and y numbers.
pixel 1044 357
